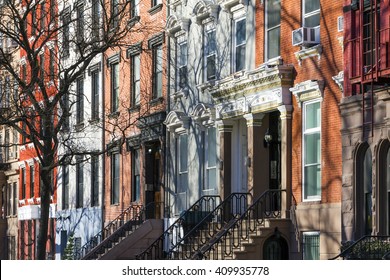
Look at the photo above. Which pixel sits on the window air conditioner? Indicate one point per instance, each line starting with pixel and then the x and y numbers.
pixel 306 36
pixel 340 23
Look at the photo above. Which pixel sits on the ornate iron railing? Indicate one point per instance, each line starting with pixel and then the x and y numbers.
pixel 367 248
pixel 173 234
pixel 239 230
pixel 128 221
pixel 199 235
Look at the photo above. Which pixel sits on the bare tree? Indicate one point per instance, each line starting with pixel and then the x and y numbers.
pixel 49 44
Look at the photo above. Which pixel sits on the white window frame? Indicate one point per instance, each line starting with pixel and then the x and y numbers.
pixel 182 62
pixel 207 154
pixel 208 29
pixel 235 46
pixel 267 29
pixel 306 132
pixel 182 174
pixel 135 80
pixel 306 15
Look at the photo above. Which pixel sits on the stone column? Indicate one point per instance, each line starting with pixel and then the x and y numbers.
pixel 257 160
pixel 225 129
pixel 286 157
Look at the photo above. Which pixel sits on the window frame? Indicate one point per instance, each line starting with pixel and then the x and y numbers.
pixel 157 73
pixel 136 175
pixel 80 21
pixel 236 46
pixel 267 42
pixel 208 153
pixel 65 187
pixel 95 183
pixel 23 182
pixel 311 234
pixel 32 180
pixel 114 85
pixel 208 54
pixel 310 14
pixel 305 132
pixel 80 100
pixel 135 80
pixel 115 178
pixel 182 62
pixel 95 80
pixel 79 182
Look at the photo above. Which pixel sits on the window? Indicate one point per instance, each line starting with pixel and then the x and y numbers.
pixel 43 15
pixel 95 19
pixel 51 64
pixel 10 199
pixel 115 178
pixel 272 40
pixel 157 71
pixel 11 247
pixel 80 23
pixel 22 241
pixel 33 19
pixel 311 246
pixel 65 111
pixel 135 80
pixel 115 13
pixel 210 53
pixel 32 180
pixel 312 151
pixel 182 65
pixel 65 34
pixel 80 100
pixel 367 184
pixel 210 161
pixel 65 187
pixel 29 240
pixel 114 87
pixel 95 94
pixel 23 183
pixel 15 141
pixel 136 190
pixel 311 13
pixel 156 2
pixel 7 145
pixel 239 44
pixel 79 182
pixel 52 10
pixel 369 40
pixel 24 73
pixel 182 166
pixel 64 239
pixel 94 180
pixel 134 8
pixel 15 197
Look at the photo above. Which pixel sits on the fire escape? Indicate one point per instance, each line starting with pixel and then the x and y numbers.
pixel 369 52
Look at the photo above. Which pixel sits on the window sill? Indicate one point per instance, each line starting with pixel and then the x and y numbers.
pixel 156 101
pixel 309 52
pixel 113 115
pixel 133 21
pixel 79 126
pixel 155 9
pixel 134 109
pixel 94 121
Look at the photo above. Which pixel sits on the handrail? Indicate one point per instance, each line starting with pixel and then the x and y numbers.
pixel 268 205
pixel 231 208
pixel 131 217
pixel 159 248
pixel 368 247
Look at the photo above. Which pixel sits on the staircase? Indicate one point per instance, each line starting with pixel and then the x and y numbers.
pixel 235 229
pixel 160 248
pixel 368 247
pixel 117 230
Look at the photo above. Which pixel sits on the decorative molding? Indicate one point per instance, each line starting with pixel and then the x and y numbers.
pixel 339 79
pixel 309 52
pixel 254 120
pixel 308 90
pixel 134 49
pixel 177 122
pixel 175 25
pixel 204 11
pixel 156 39
pixel 133 142
pixel 203 115
pixel 230 6
pixel 115 58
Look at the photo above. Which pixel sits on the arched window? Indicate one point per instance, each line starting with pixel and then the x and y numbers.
pixel 383 192
pixel 363 191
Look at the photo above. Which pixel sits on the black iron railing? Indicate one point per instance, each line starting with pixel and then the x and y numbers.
pixel 174 233
pixel 199 235
pixel 128 221
pixel 368 247
pixel 239 230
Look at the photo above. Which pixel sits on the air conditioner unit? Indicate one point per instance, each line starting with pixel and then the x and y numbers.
pixel 306 36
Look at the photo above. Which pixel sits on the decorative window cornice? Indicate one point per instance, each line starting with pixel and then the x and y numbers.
pixel 204 11
pixel 94 67
pixel 233 5
pixel 308 90
pixel 203 115
pixel 175 25
pixel 134 49
pixel 116 58
pixel 156 40
pixel 177 122
pixel 133 142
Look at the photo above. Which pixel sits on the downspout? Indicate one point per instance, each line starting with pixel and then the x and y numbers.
pixel 103 142
pixel 166 201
